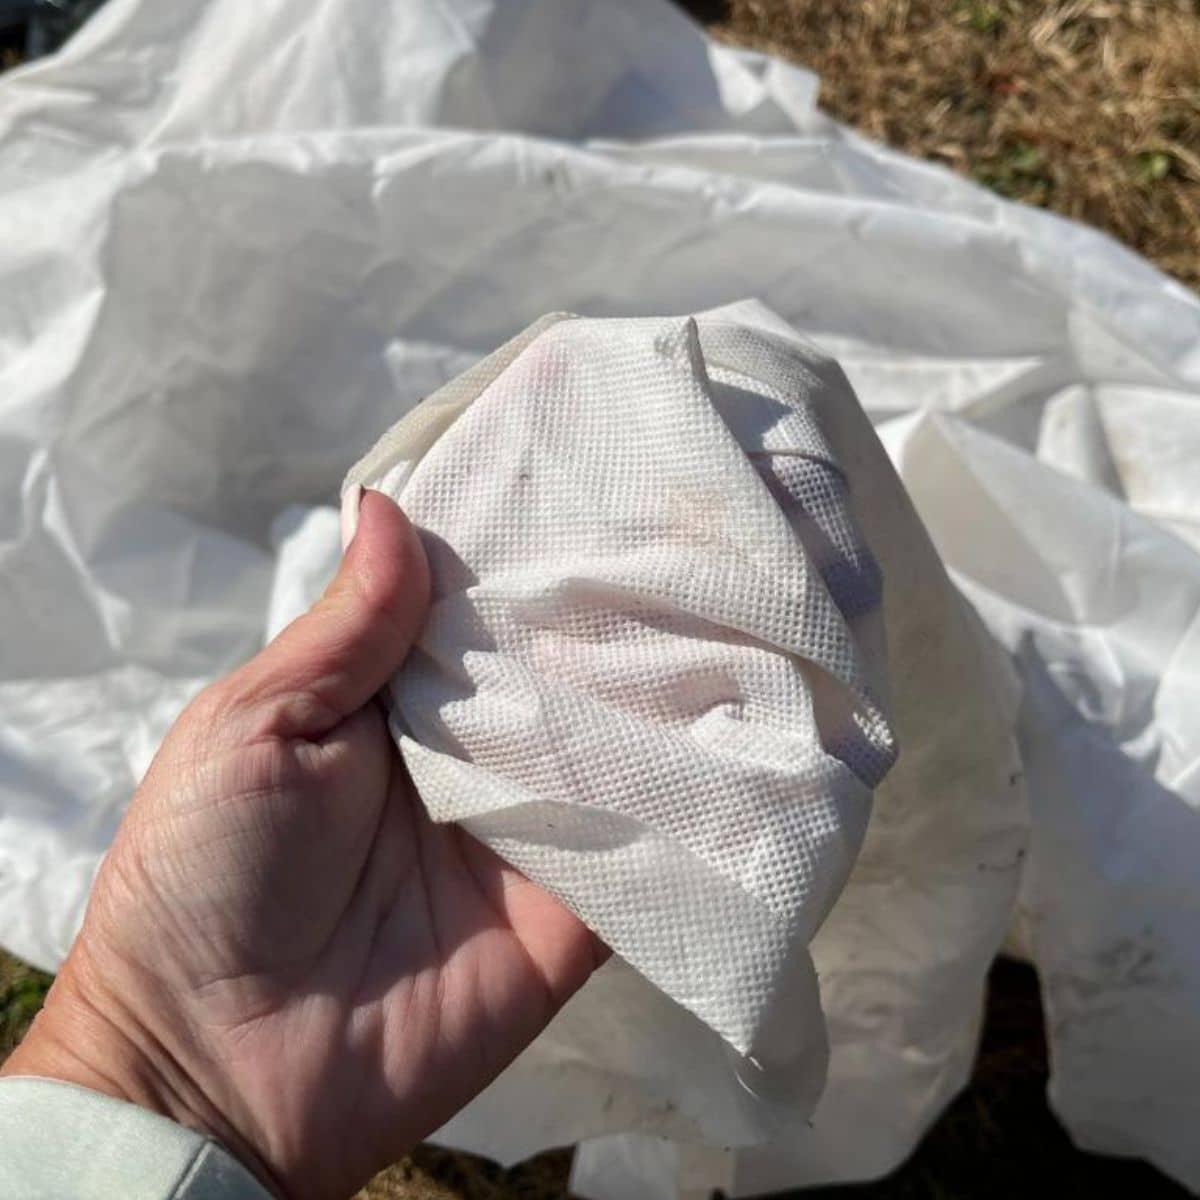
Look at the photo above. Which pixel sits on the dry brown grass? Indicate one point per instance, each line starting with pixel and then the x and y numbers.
pixel 435 1174
pixel 1089 107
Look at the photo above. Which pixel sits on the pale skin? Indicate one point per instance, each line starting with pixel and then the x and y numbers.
pixel 281 949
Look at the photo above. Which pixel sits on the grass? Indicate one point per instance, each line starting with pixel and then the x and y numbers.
pixel 1088 107
pixel 22 991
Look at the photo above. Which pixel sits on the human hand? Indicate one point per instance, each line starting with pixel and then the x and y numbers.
pixel 281 949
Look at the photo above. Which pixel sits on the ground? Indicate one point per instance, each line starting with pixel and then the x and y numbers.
pixel 1089 107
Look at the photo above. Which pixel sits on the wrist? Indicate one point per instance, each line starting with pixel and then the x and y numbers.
pixel 80 1041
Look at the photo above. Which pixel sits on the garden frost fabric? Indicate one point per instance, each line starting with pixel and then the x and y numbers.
pixel 237 242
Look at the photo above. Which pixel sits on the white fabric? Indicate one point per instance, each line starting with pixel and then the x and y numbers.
pixel 237 240
pixel 652 679
pixel 649 677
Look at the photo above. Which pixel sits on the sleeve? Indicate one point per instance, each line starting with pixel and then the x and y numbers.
pixel 61 1142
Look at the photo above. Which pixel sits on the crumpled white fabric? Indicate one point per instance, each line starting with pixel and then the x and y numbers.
pixel 654 678
pixel 237 240
pixel 652 673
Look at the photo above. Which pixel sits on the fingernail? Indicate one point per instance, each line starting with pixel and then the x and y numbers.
pixel 352 499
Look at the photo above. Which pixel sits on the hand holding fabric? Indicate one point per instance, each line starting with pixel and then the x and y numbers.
pixel 281 949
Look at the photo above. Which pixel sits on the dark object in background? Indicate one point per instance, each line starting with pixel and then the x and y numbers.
pixel 31 28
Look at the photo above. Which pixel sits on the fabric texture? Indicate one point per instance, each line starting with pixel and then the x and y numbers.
pixel 240 240
pixel 653 669
pixel 61 1142
pixel 654 678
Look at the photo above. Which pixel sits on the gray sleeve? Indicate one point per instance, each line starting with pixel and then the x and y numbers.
pixel 61 1142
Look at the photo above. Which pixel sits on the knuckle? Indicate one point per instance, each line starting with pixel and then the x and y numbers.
pixel 302 711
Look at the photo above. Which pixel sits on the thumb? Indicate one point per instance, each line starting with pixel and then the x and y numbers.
pixel 328 663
